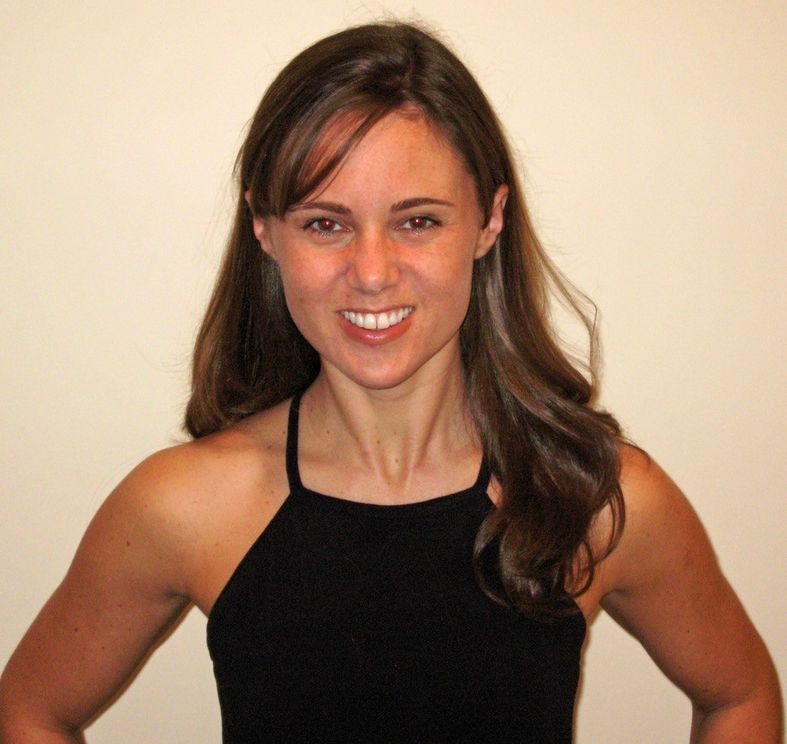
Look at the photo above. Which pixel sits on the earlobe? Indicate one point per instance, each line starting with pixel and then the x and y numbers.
pixel 258 225
pixel 494 226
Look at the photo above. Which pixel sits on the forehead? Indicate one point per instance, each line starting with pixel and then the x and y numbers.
pixel 400 152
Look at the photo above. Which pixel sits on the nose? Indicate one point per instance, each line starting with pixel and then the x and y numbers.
pixel 373 264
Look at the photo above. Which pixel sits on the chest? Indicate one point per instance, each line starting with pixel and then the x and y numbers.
pixel 347 624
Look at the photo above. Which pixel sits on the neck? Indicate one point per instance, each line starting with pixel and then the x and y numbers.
pixel 389 434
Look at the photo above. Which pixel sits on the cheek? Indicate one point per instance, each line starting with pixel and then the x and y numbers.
pixel 303 279
pixel 303 308
pixel 308 295
pixel 451 281
pixel 300 298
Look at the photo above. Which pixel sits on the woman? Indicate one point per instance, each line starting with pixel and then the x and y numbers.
pixel 384 297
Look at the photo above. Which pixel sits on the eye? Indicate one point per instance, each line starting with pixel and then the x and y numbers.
pixel 323 226
pixel 419 223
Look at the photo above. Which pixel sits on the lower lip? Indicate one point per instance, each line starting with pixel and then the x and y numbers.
pixel 375 338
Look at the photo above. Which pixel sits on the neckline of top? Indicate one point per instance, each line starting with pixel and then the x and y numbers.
pixel 435 504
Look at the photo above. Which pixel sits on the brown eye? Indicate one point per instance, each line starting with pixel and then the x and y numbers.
pixel 419 223
pixel 323 226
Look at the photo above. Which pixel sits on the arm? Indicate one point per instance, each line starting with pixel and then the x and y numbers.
pixel 121 593
pixel 663 584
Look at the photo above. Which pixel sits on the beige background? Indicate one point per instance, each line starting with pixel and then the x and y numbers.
pixel 653 137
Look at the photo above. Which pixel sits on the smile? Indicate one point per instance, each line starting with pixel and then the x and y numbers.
pixel 377 321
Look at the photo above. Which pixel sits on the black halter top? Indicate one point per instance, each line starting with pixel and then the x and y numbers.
pixel 352 622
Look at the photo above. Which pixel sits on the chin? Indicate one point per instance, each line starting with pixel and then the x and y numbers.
pixel 369 377
pixel 379 382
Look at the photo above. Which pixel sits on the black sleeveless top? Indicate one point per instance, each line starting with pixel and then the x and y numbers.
pixel 352 622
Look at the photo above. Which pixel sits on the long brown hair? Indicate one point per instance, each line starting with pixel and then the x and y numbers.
pixel 553 454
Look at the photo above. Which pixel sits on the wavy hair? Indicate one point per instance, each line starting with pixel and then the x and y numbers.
pixel 554 455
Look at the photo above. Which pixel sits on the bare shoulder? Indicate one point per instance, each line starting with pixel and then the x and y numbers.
pixel 644 482
pixel 186 501
pixel 181 479
pixel 662 531
pixel 227 458
pixel 660 526
pixel 651 504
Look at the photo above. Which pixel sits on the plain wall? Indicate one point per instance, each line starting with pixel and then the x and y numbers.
pixel 653 142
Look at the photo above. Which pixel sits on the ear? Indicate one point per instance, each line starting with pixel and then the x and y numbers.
pixel 494 226
pixel 259 226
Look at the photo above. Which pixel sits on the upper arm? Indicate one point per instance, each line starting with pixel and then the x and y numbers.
pixel 121 592
pixel 666 588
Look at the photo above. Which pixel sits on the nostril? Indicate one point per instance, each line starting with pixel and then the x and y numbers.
pixel 373 266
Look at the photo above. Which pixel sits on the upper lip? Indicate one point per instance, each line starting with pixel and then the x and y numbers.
pixel 390 308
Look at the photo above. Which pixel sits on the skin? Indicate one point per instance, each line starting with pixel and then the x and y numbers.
pixel 173 531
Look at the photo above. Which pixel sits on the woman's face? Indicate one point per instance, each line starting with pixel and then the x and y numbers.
pixel 377 263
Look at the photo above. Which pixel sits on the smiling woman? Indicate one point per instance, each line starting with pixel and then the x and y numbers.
pixel 401 506
pixel 378 280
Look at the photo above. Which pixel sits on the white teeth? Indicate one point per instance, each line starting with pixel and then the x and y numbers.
pixel 377 321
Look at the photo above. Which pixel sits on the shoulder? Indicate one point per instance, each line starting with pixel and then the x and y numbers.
pixel 181 476
pixel 232 459
pixel 661 530
pixel 177 500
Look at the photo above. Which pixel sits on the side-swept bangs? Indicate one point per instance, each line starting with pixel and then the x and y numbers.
pixel 324 102
pixel 309 155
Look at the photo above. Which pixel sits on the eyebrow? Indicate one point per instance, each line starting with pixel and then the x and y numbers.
pixel 419 201
pixel 399 206
pixel 320 206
